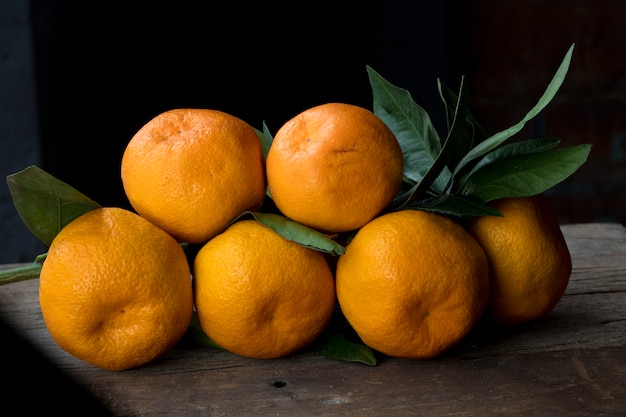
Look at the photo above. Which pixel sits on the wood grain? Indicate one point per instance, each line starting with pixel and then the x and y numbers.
pixel 572 362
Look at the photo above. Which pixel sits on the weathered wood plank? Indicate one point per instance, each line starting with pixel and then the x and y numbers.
pixel 598 257
pixel 571 382
pixel 572 362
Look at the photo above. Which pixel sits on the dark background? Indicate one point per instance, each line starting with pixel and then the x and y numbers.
pixel 102 70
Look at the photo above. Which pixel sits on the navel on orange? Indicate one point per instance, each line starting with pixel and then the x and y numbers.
pixel 260 295
pixel 334 167
pixel 115 290
pixel 530 264
pixel 192 171
pixel 412 283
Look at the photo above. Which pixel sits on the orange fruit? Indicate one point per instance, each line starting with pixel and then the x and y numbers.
pixel 115 290
pixel 334 167
pixel 412 283
pixel 529 261
pixel 260 295
pixel 192 171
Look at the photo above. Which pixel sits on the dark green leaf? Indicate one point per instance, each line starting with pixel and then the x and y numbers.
pixel 497 139
pixel 469 133
pixel 437 169
pixel 299 233
pixel 410 123
pixel 449 98
pixel 196 335
pixel 339 347
pixel 516 148
pixel 455 205
pixel 266 139
pixel 45 203
pixel 525 175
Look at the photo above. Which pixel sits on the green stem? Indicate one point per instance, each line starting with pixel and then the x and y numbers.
pixel 22 273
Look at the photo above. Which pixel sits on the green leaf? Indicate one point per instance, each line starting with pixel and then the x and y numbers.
pixel 196 335
pixel 45 203
pixel 410 124
pixel 266 139
pixel 497 139
pixel 472 132
pixel 437 170
pixel 299 233
pixel 516 148
pixel 337 346
pixel 526 174
pixel 455 205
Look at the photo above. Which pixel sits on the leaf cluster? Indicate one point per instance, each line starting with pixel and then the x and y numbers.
pixel 460 173
pixel 456 175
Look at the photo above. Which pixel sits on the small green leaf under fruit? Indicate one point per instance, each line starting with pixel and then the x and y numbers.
pixel 337 346
pixel 196 335
pixel 45 203
pixel 299 233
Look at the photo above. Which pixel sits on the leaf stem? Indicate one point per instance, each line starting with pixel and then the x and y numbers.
pixel 22 273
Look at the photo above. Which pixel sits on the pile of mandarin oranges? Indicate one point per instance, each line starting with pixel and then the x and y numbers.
pixel 118 287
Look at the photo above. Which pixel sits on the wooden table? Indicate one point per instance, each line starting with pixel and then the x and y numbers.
pixel 570 363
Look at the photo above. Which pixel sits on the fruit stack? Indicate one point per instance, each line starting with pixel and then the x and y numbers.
pixel 361 231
